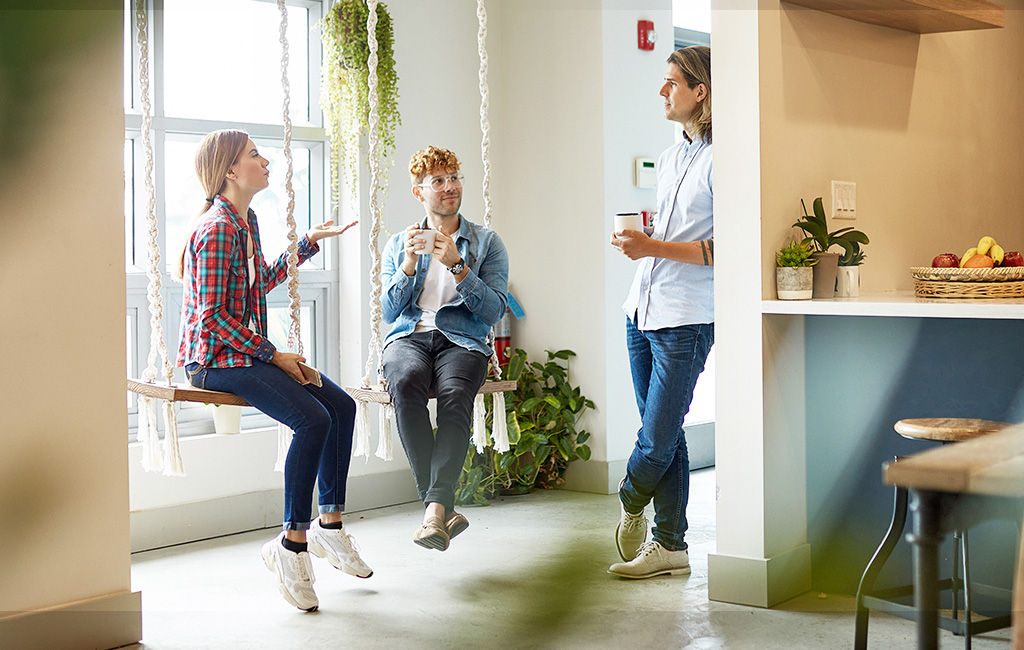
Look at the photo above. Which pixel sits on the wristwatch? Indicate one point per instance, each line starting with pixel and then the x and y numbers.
pixel 457 268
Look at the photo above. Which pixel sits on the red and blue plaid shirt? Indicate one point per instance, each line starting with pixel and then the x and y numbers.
pixel 218 301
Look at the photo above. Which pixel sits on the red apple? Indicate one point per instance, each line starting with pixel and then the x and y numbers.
pixel 1013 258
pixel 946 261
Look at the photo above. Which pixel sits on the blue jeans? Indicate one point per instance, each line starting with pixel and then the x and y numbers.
pixel 426 361
pixel 665 365
pixel 322 419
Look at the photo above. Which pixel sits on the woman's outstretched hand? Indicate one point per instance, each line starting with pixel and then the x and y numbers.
pixel 327 229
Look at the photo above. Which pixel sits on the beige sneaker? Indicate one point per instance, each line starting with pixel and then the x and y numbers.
pixel 653 560
pixel 631 532
pixel 432 534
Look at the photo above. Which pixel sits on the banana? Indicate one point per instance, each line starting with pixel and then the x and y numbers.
pixel 985 244
pixel 971 252
pixel 996 253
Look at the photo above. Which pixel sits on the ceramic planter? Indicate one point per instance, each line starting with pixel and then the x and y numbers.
pixel 825 274
pixel 794 283
pixel 848 282
pixel 227 419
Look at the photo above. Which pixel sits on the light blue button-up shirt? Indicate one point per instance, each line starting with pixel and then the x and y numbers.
pixel 666 293
pixel 482 294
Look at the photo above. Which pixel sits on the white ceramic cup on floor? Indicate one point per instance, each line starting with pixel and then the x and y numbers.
pixel 428 242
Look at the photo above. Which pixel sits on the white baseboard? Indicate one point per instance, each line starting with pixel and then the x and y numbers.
pixel 105 622
pixel 759 582
pixel 189 522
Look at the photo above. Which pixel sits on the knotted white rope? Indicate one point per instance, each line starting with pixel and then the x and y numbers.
pixel 284 434
pixel 373 357
pixel 152 460
pixel 499 426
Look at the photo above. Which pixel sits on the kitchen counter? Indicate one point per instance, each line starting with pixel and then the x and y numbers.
pixel 900 304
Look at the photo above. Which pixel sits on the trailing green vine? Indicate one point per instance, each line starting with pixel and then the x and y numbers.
pixel 344 91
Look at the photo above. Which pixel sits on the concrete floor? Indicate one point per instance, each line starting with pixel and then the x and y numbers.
pixel 529 573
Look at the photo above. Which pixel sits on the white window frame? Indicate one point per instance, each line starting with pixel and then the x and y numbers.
pixel 318 282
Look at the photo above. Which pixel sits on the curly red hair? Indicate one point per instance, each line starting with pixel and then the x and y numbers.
pixel 432 159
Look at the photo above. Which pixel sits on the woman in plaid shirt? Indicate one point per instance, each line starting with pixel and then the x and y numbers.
pixel 224 347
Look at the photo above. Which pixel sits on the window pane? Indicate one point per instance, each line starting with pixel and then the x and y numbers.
pixel 129 205
pixel 185 199
pixel 279 319
pixel 195 64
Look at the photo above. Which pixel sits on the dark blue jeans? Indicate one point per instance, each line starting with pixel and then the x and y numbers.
pixel 322 419
pixel 665 365
pixel 426 361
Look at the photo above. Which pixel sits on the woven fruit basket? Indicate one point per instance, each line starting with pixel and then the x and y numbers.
pixel 1003 282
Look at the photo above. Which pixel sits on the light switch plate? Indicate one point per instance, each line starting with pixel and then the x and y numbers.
pixel 844 200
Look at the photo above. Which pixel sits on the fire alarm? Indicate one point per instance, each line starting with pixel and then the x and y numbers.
pixel 645 35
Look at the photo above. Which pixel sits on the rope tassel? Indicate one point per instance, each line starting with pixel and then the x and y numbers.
pixel 362 443
pixel 172 450
pixel 284 442
pixel 479 424
pixel 387 412
pixel 499 428
pixel 152 459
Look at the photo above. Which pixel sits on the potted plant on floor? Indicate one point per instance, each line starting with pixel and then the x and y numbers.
pixel 794 272
pixel 821 240
pixel 543 415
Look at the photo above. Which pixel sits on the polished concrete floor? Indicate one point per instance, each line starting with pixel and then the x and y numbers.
pixel 529 573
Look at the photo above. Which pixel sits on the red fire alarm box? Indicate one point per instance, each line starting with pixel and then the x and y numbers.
pixel 645 35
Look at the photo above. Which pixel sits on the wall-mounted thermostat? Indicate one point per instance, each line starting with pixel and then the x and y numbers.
pixel 643 172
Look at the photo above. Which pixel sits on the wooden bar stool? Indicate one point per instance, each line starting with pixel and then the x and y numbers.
pixel 944 430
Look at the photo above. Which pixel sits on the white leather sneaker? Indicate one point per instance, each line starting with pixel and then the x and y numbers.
pixel 294 574
pixel 337 547
pixel 653 560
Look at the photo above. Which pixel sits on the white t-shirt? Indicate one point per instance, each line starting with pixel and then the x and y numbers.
pixel 438 290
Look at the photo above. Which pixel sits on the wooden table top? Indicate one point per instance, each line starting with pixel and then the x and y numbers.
pixel 992 465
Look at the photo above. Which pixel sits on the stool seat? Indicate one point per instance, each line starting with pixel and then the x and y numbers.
pixel 947 429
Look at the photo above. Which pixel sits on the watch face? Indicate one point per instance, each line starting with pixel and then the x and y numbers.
pixel 457 268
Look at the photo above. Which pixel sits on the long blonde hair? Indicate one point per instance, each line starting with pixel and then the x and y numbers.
pixel 695 64
pixel 215 155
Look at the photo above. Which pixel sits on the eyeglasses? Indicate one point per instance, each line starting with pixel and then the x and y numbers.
pixel 440 183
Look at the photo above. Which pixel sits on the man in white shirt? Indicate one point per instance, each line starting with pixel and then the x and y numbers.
pixel 445 284
pixel 669 327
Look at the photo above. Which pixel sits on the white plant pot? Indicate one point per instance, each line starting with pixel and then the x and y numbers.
pixel 848 282
pixel 227 419
pixel 794 283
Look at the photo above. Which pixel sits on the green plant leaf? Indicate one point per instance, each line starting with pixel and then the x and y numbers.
pixel 552 401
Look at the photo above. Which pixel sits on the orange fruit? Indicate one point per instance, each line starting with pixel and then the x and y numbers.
pixel 979 262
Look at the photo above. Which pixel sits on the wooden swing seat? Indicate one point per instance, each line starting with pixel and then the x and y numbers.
pixel 189 393
pixel 378 395
pixel 183 393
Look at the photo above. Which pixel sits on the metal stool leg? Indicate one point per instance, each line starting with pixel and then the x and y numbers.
pixel 967 592
pixel 878 560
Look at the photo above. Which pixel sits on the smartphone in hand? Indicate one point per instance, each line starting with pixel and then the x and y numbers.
pixel 311 374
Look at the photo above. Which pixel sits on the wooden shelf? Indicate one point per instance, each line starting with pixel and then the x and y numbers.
pixel 918 16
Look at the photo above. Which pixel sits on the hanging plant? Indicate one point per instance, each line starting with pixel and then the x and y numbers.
pixel 344 92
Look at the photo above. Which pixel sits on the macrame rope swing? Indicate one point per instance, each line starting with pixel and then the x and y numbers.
pixel 368 391
pixel 169 460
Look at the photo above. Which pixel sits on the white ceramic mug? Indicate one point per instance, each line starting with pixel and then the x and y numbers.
pixel 629 221
pixel 428 242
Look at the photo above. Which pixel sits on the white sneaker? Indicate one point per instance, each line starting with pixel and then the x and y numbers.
pixel 337 547
pixel 294 574
pixel 631 532
pixel 653 560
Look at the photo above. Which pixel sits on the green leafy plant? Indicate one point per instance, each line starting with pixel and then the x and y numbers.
pixel 345 90
pixel 795 255
pixel 542 417
pixel 821 240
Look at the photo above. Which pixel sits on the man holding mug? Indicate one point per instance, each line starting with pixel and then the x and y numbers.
pixel 445 284
pixel 669 326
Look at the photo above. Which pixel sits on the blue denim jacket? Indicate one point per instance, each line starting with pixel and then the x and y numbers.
pixel 483 293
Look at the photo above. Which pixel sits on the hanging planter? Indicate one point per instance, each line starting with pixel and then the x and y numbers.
pixel 345 91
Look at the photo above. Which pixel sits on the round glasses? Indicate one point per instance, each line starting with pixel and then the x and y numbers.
pixel 440 183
